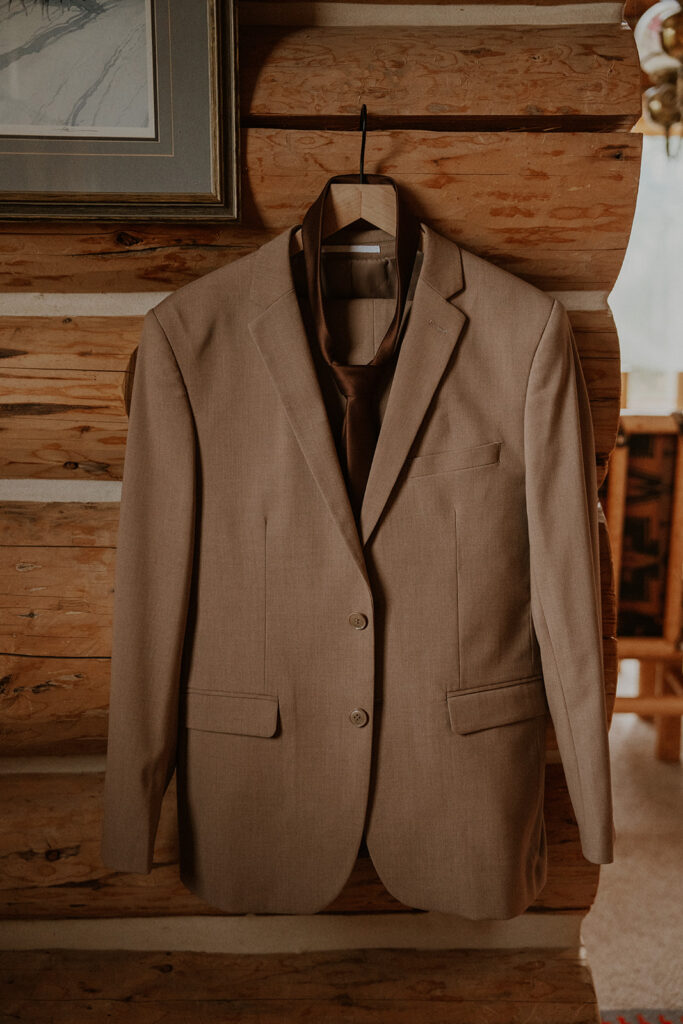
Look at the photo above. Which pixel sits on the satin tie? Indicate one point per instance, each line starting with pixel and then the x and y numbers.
pixel 359 382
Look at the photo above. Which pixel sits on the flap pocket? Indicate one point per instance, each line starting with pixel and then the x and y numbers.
pixel 253 714
pixel 487 706
pixel 455 458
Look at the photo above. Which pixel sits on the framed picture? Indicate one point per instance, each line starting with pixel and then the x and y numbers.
pixel 119 109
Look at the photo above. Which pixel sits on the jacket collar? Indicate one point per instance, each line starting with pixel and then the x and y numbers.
pixel 432 331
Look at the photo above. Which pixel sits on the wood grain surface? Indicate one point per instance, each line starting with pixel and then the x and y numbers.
pixel 556 209
pixel 420 71
pixel 49 844
pixel 404 986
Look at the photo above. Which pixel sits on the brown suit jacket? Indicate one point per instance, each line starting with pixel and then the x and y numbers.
pixel 308 680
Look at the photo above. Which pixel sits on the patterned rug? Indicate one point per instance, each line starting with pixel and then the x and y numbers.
pixel 641 1016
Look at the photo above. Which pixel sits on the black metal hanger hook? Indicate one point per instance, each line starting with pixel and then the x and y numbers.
pixel 363 128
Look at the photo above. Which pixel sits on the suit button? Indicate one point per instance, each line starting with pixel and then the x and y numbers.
pixel 358 620
pixel 359 716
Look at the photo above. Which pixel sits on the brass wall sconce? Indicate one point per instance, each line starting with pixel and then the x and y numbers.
pixel 659 38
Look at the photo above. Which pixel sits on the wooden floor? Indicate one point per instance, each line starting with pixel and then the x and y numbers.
pixel 401 986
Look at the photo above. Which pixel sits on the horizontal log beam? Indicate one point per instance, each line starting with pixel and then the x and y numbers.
pixel 51 706
pixel 385 986
pixel 54 667
pixel 445 78
pixel 550 191
pixel 57 602
pixel 555 209
pixel 95 343
pixel 51 863
pixel 66 391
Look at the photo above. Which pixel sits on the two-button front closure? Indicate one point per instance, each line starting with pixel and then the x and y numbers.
pixel 359 716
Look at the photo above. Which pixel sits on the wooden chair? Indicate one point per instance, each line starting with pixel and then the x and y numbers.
pixel 643 501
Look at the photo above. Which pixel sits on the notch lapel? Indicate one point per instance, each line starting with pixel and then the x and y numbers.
pixel 277 326
pixel 432 330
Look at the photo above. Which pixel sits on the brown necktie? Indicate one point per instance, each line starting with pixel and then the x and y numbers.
pixel 359 382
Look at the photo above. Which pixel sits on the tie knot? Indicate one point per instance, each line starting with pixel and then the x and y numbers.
pixel 356 380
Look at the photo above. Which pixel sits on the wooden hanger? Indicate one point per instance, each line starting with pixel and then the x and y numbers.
pixel 347 201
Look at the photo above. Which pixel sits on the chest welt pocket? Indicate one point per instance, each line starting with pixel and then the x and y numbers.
pixel 487 706
pixel 252 714
pixel 454 458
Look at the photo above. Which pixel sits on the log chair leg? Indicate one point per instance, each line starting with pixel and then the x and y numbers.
pixel 646 683
pixel 668 741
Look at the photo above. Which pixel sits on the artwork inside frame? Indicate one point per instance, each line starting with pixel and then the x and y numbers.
pixel 119 110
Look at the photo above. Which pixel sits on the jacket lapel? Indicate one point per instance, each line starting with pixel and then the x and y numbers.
pixel 432 331
pixel 277 327
pixel 434 327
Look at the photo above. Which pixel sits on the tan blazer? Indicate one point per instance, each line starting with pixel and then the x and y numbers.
pixel 306 682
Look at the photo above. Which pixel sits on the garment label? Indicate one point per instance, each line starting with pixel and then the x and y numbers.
pixel 351 248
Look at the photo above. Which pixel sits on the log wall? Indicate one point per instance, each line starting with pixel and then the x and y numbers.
pixel 511 134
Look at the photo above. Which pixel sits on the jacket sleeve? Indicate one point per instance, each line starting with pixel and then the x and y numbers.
pixel 152 583
pixel 562 511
